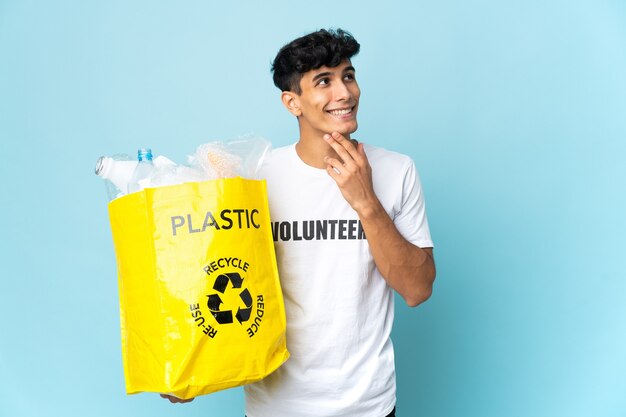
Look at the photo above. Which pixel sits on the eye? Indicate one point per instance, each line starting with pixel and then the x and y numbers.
pixel 349 77
pixel 323 81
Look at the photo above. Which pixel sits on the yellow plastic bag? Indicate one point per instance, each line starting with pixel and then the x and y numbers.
pixel 200 301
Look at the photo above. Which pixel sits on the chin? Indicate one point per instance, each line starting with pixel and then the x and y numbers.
pixel 349 130
pixel 345 128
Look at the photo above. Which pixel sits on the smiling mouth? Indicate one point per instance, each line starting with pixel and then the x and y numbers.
pixel 341 112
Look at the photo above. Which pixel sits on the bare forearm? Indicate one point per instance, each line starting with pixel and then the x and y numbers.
pixel 407 269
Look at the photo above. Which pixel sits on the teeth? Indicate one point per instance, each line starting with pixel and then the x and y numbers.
pixel 340 112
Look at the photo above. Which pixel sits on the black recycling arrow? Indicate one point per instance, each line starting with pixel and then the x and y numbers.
pixel 243 314
pixel 223 317
pixel 220 283
pixel 214 302
pixel 246 297
pixel 236 279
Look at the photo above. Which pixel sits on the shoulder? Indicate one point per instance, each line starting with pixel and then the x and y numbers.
pixel 278 153
pixel 389 161
pixel 274 157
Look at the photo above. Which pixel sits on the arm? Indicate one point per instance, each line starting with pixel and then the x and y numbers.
pixel 407 269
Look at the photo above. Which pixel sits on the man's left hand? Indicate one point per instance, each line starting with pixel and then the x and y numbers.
pixel 175 400
pixel 352 172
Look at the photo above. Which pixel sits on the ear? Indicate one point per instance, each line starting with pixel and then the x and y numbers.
pixel 291 102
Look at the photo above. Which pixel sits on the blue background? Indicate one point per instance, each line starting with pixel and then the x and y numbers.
pixel 514 111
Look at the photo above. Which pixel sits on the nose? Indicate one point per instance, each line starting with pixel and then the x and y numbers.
pixel 342 92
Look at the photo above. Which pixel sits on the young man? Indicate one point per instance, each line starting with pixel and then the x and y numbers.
pixel 350 227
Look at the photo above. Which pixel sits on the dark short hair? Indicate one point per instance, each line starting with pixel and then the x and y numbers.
pixel 322 48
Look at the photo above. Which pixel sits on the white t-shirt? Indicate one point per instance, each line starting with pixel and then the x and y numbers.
pixel 339 308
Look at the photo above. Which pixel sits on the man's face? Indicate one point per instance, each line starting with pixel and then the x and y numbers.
pixel 329 100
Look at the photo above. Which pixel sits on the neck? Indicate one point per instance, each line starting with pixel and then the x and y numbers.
pixel 312 149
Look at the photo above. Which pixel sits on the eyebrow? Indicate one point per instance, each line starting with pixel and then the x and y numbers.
pixel 321 75
pixel 327 73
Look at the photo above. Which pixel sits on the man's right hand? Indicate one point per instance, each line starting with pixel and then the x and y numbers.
pixel 176 399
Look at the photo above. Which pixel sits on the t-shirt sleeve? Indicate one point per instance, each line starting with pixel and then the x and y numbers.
pixel 411 220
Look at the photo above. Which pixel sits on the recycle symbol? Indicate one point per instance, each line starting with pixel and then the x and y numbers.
pixel 214 302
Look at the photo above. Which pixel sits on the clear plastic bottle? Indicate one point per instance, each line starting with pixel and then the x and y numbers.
pixel 116 171
pixel 143 171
